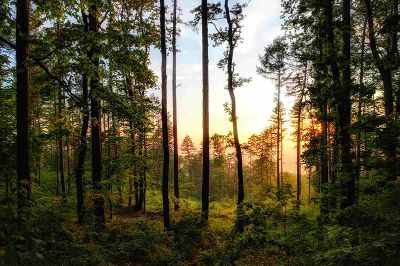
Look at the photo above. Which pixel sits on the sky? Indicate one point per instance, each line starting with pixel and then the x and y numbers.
pixel 254 100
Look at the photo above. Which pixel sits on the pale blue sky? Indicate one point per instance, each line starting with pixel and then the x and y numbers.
pixel 254 100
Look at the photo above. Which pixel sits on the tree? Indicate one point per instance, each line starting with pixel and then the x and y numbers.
pixel 273 65
pixel 386 65
pixel 233 36
pixel 164 117
pixel 22 46
pixel 175 126
pixel 96 117
pixel 206 136
pixel 344 110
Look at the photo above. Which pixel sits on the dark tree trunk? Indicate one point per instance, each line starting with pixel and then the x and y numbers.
pixel 130 192
pixel 278 135
pixel 233 105
pixel 110 205
pixel 144 174
pixel 56 164
pixel 68 166
pixel 335 72
pixel 22 44
pixel 175 122
pixel 96 120
pixel 298 150
pixel 164 117
pixel 142 170
pixel 61 146
pixel 324 146
pixel 80 163
pixel 344 110
pixel 359 107
pixel 206 133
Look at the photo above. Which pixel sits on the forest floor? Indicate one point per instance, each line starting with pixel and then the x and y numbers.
pixel 274 233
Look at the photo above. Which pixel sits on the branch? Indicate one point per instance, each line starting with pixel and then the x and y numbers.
pixel 216 28
pixel 9 43
pixel 63 84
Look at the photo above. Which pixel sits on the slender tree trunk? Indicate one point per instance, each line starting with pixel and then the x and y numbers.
pixel 39 170
pixel 298 150
pixel 61 146
pixel 344 109
pixel 7 180
pixel 206 133
pixel 96 120
pixel 164 117
pixel 359 107
pixel 278 135
pixel 233 105
pixel 110 205
pixel 175 122
pixel 144 174
pixel 68 166
pixel 80 165
pixel 324 146
pixel 141 169
pixel 116 157
pixel 56 164
pixel 132 183
pixel 22 46
pixel 281 149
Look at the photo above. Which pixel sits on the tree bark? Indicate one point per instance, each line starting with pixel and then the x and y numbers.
pixel 299 135
pixel 206 133
pixel 175 122
pixel 80 164
pixel 22 44
pixel 96 120
pixel 359 107
pixel 278 135
pixel 344 110
pixel 233 105
pixel 61 146
pixel 164 118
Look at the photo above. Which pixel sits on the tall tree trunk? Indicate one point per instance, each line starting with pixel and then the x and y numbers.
pixel 22 44
pixel 278 135
pixel 133 184
pixel 337 87
pixel 206 129
pixel 141 169
pixel 56 163
pixel 175 122
pixel 80 163
pixel 164 118
pixel 110 205
pixel 324 146
pixel 144 173
pixel 68 166
pixel 96 120
pixel 359 107
pixel 298 150
pixel 233 105
pixel 61 146
pixel 344 110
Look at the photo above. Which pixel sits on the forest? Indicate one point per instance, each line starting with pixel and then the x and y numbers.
pixel 97 166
